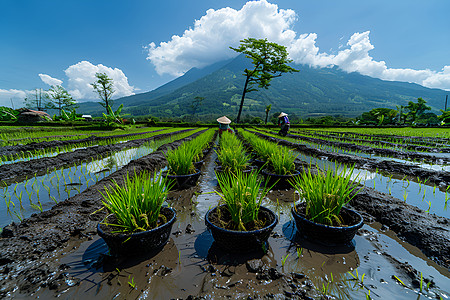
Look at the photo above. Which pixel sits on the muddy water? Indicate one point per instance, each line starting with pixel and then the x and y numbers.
pixel 428 198
pixel 190 264
pixel 42 192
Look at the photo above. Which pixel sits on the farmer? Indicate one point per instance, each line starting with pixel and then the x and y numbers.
pixel 283 121
pixel 224 125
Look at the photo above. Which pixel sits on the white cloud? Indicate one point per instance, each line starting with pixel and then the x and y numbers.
pixel 82 74
pixel 47 79
pixel 211 36
pixel 209 40
pixel 17 96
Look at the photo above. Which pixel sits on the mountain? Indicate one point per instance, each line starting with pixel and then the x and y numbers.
pixel 309 92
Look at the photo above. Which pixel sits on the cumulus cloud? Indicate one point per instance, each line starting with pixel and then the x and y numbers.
pixel 17 96
pixel 82 74
pixel 209 40
pixel 47 79
pixel 211 36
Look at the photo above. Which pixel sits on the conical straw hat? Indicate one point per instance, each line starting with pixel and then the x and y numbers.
pixel 224 120
pixel 282 115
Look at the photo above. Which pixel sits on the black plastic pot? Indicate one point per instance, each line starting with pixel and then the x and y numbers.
pixel 242 241
pixel 328 235
pixel 140 242
pixel 279 181
pixel 257 162
pixel 183 181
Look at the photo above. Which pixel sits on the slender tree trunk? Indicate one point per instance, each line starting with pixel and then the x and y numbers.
pixel 242 100
pixel 267 114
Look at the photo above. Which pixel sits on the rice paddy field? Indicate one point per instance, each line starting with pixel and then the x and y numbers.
pixel 51 180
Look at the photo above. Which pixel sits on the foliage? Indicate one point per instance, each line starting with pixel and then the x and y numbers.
pixel 196 103
pixel 72 116
pixel 137 204
pixel 113 116
pixel 379 116
pixel 105 89
pixel 416 109
pixel 281 161
pixel 231 153
pixel 59 98
pixel 240 193
pixel 269 61
pixel 181 160
pixel 445 117
pixel 325 193
pixel 8 114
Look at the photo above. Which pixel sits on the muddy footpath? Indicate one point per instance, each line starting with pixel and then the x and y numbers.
pixel 57 253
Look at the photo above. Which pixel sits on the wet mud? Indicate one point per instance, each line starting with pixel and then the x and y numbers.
pixel 12 150
pixel 439 178
pixel 19 171
pixel 58 254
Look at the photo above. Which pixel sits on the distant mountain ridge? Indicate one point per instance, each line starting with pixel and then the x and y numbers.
pixel 310 92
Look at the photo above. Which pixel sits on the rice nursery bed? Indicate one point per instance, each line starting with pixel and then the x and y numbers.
pixel 27 151
pixel 401 251
pixel 40 193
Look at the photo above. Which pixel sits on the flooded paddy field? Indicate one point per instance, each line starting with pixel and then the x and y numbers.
pixel 57 253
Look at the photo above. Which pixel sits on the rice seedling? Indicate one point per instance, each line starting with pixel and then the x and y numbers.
pixel 325 193
pixel 180 160
pixel 131 282
pixel 137 204
pixel 399 280
pixel 283 259
pixel 429 207
pixel 299 252
pixel 282 160
pixel 242 196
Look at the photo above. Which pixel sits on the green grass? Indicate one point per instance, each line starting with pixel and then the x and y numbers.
pixel 325 193
pixel 231 153
pixel 281 161
pixel 181 160
pixel 242 196
pixel 137 204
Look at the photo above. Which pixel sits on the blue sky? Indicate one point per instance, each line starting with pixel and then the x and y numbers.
pixel 66 42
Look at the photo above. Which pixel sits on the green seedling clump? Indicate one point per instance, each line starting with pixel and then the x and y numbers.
pixel 137 204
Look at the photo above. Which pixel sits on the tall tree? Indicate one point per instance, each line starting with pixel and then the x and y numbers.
pixel 268 108
pixel 59 98
pixel 269 61
pixel 37 99
pixel 105 89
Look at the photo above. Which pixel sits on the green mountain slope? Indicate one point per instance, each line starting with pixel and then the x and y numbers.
pixel 306 93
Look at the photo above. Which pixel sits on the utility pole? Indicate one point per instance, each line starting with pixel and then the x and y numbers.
pixel 12 104
pixel 445 108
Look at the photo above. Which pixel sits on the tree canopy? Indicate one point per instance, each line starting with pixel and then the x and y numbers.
pixel 269 61
pixel 105 89
pixel 59 98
